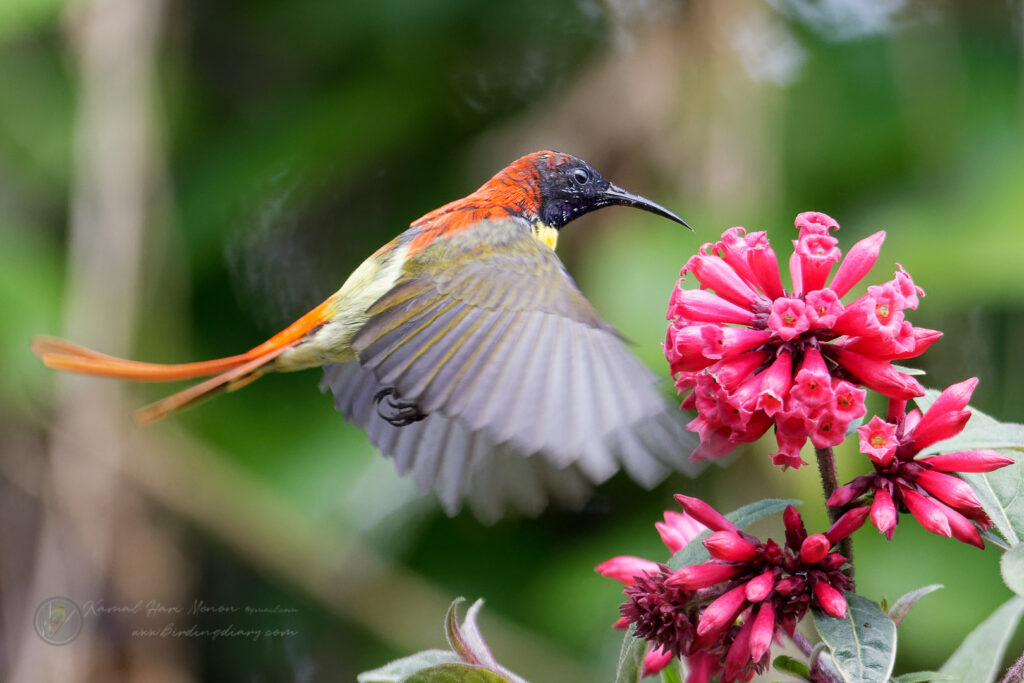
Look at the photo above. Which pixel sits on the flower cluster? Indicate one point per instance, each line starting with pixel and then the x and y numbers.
pixel 942 503
pixel 724 614
pixel 756 355
pixel 676 531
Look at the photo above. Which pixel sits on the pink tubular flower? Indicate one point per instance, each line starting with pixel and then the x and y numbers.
pixel 753 355
pixel 646 576
pixel 730 608
pixel 941 503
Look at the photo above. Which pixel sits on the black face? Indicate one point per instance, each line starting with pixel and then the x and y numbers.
pixel 572 188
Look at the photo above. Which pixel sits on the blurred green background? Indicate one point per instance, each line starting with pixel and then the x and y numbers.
pixel 181 178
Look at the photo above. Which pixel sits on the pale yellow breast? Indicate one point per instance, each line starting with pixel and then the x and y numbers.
pixel 546 234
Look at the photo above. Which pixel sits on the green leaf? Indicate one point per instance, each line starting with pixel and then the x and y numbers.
pixel 400 668
pixel 631 658
pixel 1012 567
pixel 922 676
pixel 694 552
pixel 863 643
pixel 788 665
pixel 978 658
pixel 459 672
pixel 908 600
pixel 1001 492
pixel 672 673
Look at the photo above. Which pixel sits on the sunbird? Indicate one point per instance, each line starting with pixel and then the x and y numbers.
pixel 466 351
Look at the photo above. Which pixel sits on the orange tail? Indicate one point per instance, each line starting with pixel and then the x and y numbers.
pixel 232 372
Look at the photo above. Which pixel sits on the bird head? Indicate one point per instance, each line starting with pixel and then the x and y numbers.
pixel 566 187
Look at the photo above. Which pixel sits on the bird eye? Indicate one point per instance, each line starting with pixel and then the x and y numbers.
pixel 581 176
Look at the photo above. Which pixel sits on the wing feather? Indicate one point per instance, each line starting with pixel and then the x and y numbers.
pixel 528 393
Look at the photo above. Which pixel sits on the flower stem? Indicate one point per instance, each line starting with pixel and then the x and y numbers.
pixel 1015 673
pixel 819 673
pixel 829 484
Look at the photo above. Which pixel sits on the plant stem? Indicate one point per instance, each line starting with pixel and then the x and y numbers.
pixel 1015 673
pixel 829 484
pixel 818 672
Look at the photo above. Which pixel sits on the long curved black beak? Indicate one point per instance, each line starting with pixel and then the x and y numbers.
pixel 616 195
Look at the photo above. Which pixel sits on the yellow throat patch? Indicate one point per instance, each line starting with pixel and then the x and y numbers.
pixel 546 234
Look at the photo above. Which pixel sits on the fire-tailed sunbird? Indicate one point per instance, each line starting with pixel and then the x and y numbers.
pixel 467 352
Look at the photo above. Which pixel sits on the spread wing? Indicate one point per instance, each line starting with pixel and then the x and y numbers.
pixel 527 391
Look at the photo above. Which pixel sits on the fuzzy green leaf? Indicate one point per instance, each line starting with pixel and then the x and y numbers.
pixel 922 676
pixel 908 600
pixel 1012 567
pixel 455 673
pixel 631 658
pixel 978 657
pixel 401 668
pixel 863 643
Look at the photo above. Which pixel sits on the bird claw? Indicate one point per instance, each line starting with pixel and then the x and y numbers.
pixel 402 412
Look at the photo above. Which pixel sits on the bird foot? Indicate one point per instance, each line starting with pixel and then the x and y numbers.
pixel 398 411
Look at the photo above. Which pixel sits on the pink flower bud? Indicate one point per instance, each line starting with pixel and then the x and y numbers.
pixel 621 624
pixel 734 247
pixel 765 267
pixel 812 384
pixel 776 383
pixel 937 421
pixel 878 441
pixel 760 587
pixel 948 489
pixel 685 347
pixel 716 274
pixel 878 375
pixel 705 514
pixel 731 371
pixel 702 306
pixel 725 342
pixel 831 600
pixel 677 530
pixel 961 527
pixel 796 274
pixel 982 460
pixel 699 576
pixel 730 547
pixel 814 548
pixel 738 656
pixel 796 533
pixel 763 631
pixel 943 426
pixel 926 512
pixel 847 524
pixel 626 568
pixel 655 660
pixel 859 260
pixel 883 513
pixel 844 494
pixel 722 611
